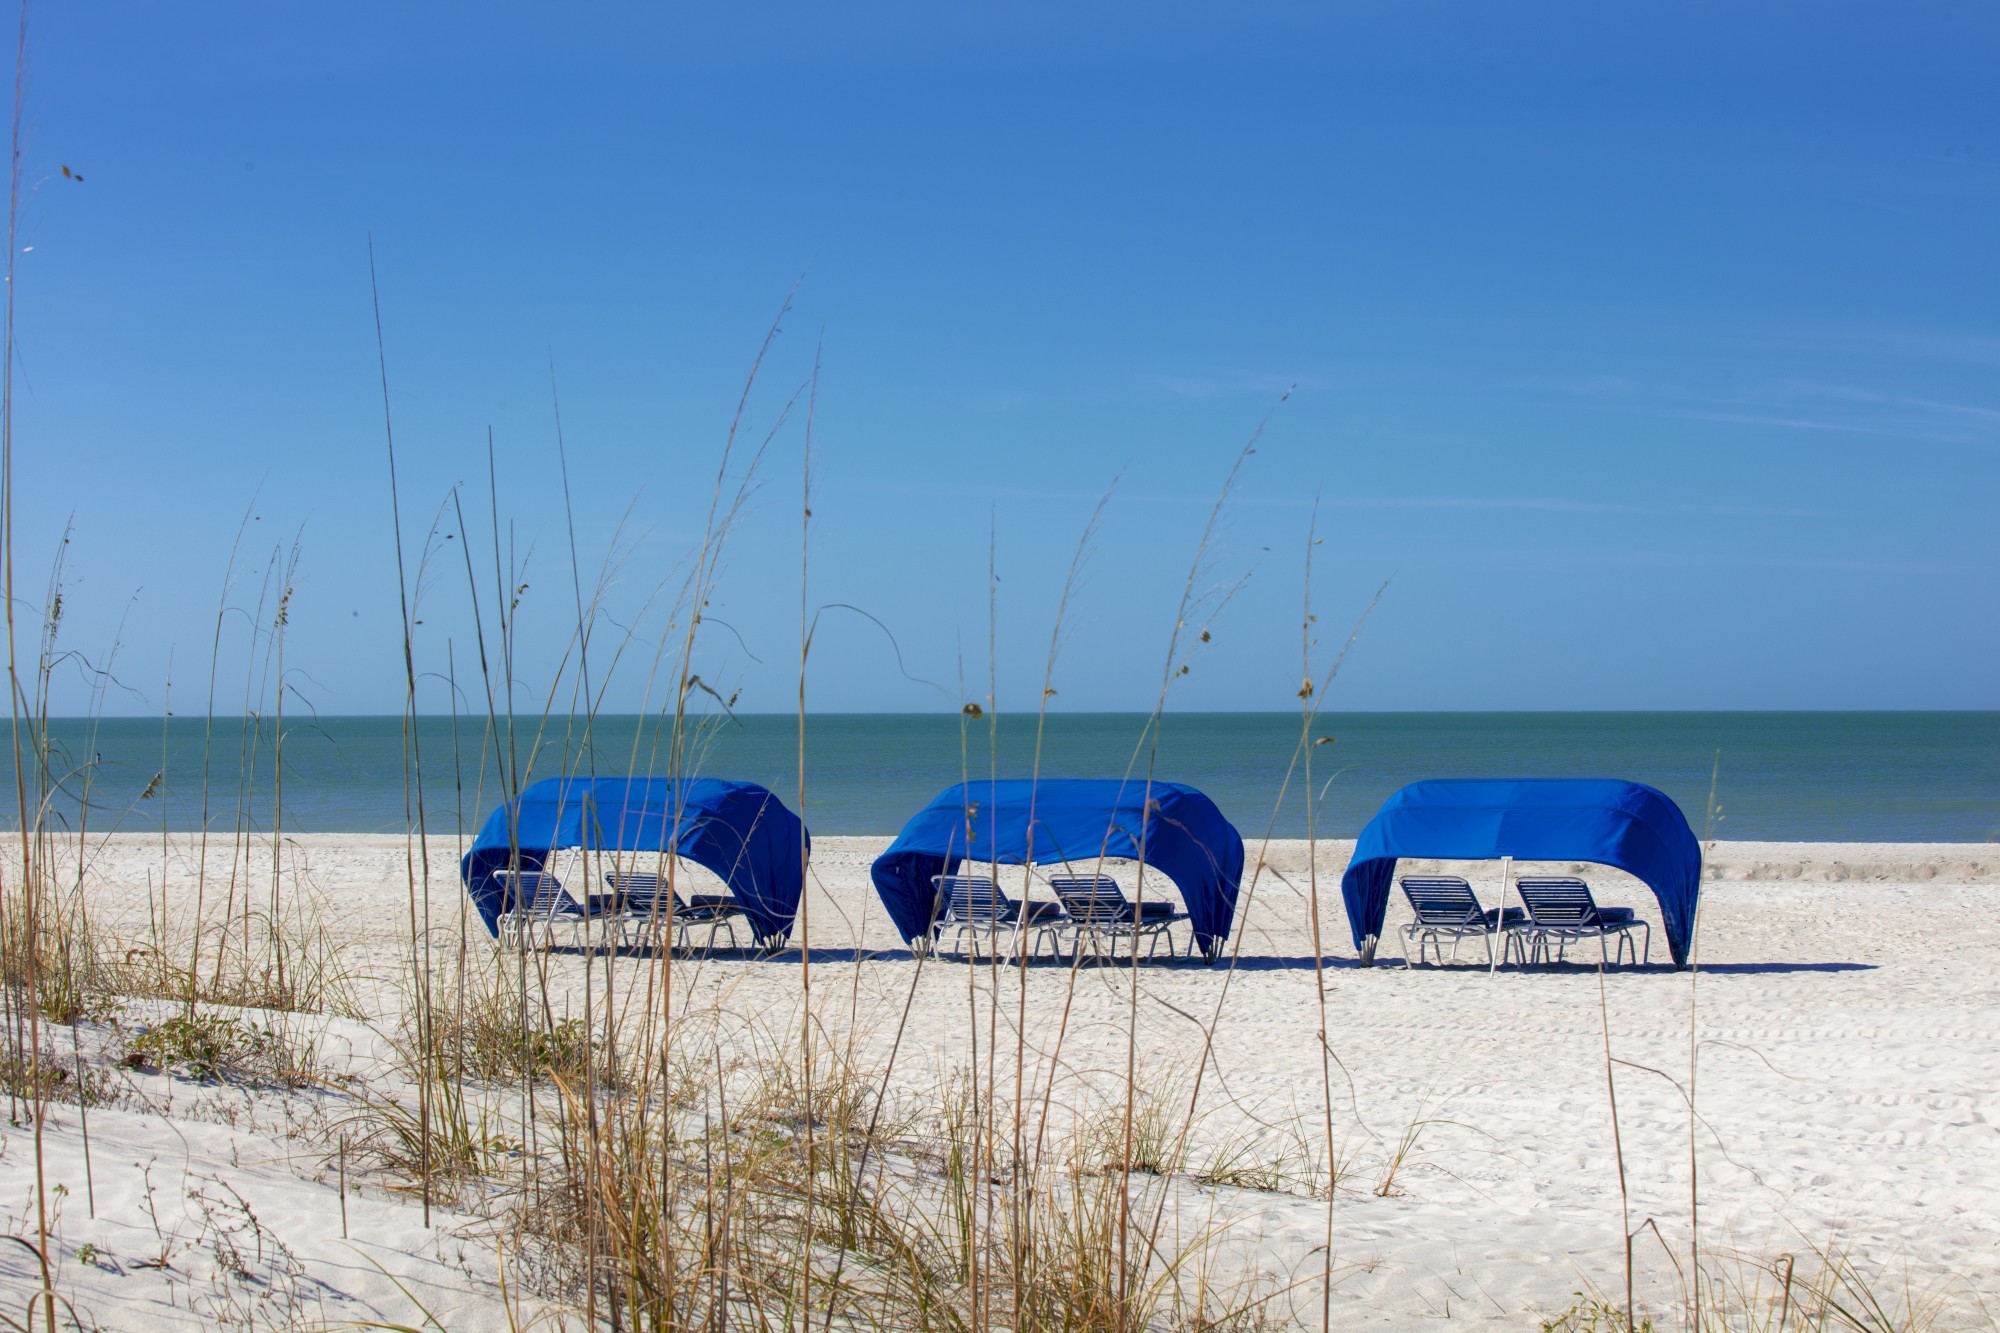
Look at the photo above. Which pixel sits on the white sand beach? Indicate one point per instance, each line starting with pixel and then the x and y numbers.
pixel 1847 1096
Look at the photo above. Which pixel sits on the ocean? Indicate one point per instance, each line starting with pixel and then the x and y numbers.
pixel 1784 776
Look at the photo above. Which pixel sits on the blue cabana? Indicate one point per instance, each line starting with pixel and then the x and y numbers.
pixel 737 829
pixel 1624 824
pixel 1172 828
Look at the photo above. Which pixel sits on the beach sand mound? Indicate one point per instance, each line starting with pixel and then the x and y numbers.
pixel 1848 1067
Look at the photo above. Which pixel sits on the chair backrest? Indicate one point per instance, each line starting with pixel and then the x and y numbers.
pixel 1442 900
pixel 535 892
pixel 974 898
pixel 643 893
pixel 1558 902
pixel 1091 899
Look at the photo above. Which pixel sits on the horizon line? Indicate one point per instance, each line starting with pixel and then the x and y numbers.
pixel 520 718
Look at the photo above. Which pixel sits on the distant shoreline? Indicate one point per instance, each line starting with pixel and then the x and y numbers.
pixel 1798 776
pixel 1762 861
pixel 530 720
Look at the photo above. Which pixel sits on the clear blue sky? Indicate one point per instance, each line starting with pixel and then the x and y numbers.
pixel 1654 350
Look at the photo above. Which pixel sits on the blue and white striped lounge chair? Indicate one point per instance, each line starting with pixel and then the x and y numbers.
pixel 1097 912
pixel 1444 907
pixel 646 903
pixel 534 903
pixel 1561 912
pixel 975 908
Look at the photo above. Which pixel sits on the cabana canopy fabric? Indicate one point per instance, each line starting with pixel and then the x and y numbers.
pixel 1623 824
pixel 737 829
pixel 1075 820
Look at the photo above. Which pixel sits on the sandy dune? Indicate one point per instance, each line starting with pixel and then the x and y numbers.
pixel 1848 1094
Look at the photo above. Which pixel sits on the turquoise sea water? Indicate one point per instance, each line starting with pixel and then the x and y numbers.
pixel 1916 777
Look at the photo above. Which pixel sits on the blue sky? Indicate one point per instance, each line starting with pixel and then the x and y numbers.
pixel 1651 352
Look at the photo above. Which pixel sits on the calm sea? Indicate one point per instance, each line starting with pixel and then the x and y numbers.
pixel 1917 777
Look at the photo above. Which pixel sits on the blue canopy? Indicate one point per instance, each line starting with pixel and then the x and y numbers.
pixel 1173 828
pixel 737 829
pixel 1624 824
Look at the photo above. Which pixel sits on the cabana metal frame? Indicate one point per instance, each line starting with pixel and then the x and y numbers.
pixel 1627 825
pixel 739 830
pixel 1081 822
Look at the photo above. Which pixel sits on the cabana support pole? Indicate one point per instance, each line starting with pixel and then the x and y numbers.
pixel 1493 960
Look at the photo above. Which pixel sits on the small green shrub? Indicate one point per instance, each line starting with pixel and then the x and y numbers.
pixel 1591 1315
pixel 59 1082
pixel 496 1043
pixel 210 1048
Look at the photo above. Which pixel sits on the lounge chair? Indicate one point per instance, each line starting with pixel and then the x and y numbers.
pixel 974 907
pixel 1561 911
pixel 1444 907
pixel 534 901
pixel 1097 911
pixel 646 902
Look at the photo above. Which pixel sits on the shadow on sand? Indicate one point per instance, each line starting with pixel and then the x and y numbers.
pixel 789 954
pixel 1577 969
